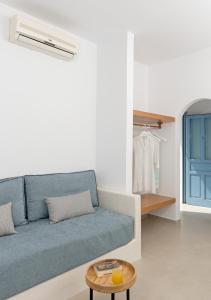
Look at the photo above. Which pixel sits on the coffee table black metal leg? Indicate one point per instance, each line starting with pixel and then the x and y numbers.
pixel 112 296
pixel 128 294
pixel 91 294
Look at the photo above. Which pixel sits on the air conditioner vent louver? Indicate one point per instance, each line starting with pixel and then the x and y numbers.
pixel 37 36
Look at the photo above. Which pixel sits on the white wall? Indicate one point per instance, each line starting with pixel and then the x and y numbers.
pixel 141 74
pixel 173 87
pixel 175 84
pixel 201 107
pixel 114 111
pixel 47 108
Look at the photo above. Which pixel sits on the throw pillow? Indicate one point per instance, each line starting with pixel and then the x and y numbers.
pixel 65 207
pixel 6 221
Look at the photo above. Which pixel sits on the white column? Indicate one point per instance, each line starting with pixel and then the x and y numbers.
pixel 114 111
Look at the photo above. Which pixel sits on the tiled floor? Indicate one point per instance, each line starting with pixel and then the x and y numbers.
pixel 176 260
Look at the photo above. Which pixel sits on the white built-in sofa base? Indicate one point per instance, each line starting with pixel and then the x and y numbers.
pixel 71 283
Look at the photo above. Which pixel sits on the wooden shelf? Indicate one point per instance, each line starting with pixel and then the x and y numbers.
pixel 155 120
pixel 150 202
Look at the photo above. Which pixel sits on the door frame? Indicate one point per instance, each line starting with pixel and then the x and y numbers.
pixel 186 151
pixel 184 157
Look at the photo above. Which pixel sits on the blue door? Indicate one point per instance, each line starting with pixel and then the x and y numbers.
pixel 197 160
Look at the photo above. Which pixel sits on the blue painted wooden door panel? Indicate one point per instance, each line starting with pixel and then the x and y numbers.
pixel 197 147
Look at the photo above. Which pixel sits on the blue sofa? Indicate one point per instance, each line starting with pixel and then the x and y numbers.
pixel 40 251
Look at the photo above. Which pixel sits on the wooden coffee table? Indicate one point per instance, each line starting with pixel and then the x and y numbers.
pixel 105 285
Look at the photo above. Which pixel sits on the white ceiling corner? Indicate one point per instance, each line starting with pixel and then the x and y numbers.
pixel 164 29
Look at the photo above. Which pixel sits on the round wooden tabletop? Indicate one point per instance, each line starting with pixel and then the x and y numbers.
pixel 105 285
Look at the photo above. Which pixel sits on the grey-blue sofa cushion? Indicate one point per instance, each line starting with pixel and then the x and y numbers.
pixel 12 190
pixel 40 251
pixel 40 187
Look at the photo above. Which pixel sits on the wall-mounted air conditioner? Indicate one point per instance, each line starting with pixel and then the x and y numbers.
pixel 38 36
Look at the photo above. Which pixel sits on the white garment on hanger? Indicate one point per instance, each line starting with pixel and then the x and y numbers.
pixel 146 163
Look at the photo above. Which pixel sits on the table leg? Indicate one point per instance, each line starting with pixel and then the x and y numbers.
pixel 112 296
pixel 128 294
pixel 91 294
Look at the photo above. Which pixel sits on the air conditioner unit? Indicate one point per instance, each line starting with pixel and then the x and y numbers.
pixel 37 36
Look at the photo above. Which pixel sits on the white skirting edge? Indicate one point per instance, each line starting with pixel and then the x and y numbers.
pixel 197 209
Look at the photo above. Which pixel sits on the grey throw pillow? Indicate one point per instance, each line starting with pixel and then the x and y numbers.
pixel 6 221
pixel 65 207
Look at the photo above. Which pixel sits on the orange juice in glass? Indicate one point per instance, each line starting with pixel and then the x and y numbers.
pixel 117 277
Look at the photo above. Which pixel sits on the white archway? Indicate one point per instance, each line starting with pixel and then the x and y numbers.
pixel 179 130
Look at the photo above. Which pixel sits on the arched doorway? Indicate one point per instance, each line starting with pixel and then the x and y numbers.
pixel 197 154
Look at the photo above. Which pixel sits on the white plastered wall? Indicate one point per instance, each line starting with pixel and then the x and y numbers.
pixel 141 74
pixel 173 87
pixel 47 108
pixel 114 111
pixel 59 116
pixel 203 106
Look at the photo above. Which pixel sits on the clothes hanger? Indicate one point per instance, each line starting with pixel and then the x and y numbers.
pixel 146 133
pixel 160 138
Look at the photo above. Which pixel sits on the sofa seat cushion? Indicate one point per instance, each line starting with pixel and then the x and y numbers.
pixel 40 251
pixel 40 187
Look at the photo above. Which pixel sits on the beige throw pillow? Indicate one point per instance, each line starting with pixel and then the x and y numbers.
pixel 65 207
pixel 6 220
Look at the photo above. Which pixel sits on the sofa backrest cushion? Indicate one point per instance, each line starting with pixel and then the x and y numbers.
pixel 12 190
pixel 40 187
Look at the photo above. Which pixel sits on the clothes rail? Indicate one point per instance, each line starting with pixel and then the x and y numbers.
pixel 158 125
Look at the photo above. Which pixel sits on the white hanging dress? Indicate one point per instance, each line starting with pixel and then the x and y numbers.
pixel 146 163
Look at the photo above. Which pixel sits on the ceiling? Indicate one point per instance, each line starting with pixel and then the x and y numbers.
pixel 164 29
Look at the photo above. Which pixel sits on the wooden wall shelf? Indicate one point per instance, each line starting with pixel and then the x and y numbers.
pixel 150 202
pixel 142 118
